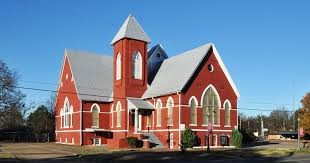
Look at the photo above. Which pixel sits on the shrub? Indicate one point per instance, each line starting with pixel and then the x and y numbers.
pixel 247 136
pixel 236 138
pixel 188 139
pixel 307 136
pixel 132 142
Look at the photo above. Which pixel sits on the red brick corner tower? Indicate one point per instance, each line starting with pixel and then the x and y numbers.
pixel 130 65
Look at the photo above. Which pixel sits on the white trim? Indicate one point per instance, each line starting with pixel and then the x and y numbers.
pixel 119 66
pixel 118 119
pixel 213 130
pixel 95 104
pixel 172 101
pixel 227 125
pixel 92 118
pixel 112 116
pixel 119 130
pixel 222 65
pixel 81 121
pixel 179 118
pixel 219 102
pixel 161 106
pixel 165 130
pixel 192 124
pixel 229 109
pixel 61 72
pixel 133 65
pixel 216 92
pixel 196 105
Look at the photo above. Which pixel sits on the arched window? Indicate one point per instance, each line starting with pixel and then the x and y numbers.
pixel 210 106
pixel 158 109
pixel 112 115
pixel 118 66
pixel 227 106
pixel 170 111
pixel 193 110
pixel 136 65
pixel 66 114
pixel 61 115
pixel 118 114
pixel 95 115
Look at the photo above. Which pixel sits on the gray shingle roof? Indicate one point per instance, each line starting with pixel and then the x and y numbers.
pixel 131 29
pixel 176 71
pixel 92 75
pixel 139 103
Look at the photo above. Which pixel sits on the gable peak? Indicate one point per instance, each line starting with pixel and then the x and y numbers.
pixel 131 29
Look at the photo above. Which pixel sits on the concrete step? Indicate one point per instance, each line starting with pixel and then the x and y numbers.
pixel 153 139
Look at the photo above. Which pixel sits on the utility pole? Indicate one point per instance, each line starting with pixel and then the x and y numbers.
pixel 262 127
pixel 298 133
pixel 293 109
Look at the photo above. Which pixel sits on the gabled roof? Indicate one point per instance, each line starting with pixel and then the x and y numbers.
pixel 131 29
pixel 175 72
pixel 92 74
pixel 154 49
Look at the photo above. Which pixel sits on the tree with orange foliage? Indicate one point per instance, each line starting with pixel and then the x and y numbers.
pixel 304 112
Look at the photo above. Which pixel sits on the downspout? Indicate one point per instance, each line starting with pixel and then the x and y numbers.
pixel 154 112
pixel 179 118
pixel 81 117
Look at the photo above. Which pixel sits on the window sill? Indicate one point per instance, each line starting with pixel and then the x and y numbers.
pixel 118 126
pixel 192 124
pixel 227 126
pixel 94 126
pixel 169 125
pixel 158 125
pixel 216 125
pixel 204 125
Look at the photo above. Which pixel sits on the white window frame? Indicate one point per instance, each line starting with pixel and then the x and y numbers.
pixel 118 114
pixel 213 106
pixel 67 114
pixel 98 123
pixel 158 111
pixel 118 66
pixel 112 117
pixel 227 122
pixel 170 112
pixel 136 65
pixel 191 109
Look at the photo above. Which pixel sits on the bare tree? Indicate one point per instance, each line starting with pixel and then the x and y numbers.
pixel 11 98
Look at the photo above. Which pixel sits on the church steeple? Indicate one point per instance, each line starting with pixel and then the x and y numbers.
pixel 131 29
pixel 130 60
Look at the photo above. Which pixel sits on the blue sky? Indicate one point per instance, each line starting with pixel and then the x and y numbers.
pixel 264 44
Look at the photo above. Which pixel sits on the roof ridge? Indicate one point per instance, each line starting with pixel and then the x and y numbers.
pixel 85 52
pixel 184 53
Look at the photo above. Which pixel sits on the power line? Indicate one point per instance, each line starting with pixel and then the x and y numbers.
pixel 114 97
pixel 110 90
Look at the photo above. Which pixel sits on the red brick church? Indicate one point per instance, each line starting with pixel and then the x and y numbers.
pixel 141 92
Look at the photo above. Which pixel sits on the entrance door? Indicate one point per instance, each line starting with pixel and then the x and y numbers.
pixel 171 141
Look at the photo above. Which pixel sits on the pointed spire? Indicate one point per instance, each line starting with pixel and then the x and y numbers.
pixel 131 29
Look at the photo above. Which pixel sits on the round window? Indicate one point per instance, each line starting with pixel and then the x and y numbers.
pixel 210 67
